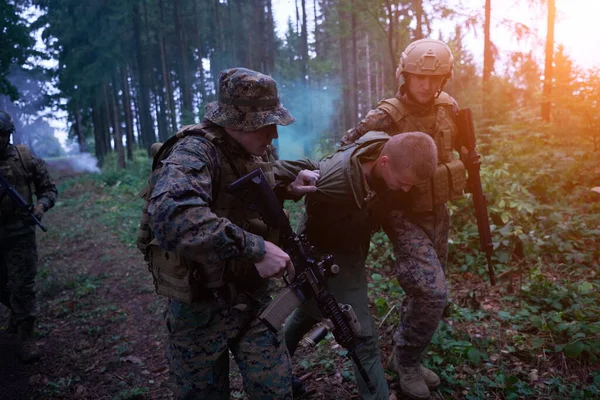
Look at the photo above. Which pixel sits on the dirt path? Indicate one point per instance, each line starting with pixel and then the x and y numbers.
pixel 99 323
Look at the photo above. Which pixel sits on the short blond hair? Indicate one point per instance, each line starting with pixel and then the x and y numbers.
pixel 412 150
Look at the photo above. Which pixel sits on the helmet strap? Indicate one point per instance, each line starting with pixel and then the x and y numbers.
pixel 441 87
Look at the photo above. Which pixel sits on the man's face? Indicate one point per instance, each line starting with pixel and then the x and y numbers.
pixel 397 179
pixel 423 88
pixel 4 139
pixel 255 142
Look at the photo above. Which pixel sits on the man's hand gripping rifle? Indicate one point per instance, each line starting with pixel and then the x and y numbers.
pixel 311 274
pixel 464 121
pixel 25 208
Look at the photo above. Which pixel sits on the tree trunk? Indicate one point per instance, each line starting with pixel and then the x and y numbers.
pixel 200 56
pixel 488 61
pixel 128 114
pixel 78 130
pixel 271 41
pixel 419 18
pixel 111 93
pixel 549 69
pixel 184 86
pixel 344 70
pixel 368 58
pixel 165 73
pixel 146 122
pixel 354 81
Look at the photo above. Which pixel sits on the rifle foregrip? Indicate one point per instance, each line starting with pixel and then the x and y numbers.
pixel 279 309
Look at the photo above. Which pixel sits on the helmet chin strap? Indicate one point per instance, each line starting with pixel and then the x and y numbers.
pixel 441 87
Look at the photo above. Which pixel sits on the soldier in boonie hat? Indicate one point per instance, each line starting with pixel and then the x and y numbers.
pixel 212 255
pixel 248 101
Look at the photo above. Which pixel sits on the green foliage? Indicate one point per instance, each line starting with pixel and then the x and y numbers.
pixel 121 204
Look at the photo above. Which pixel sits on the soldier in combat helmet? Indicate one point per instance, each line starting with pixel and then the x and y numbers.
pixel 210 254
pixel 28 175
pixel 419 232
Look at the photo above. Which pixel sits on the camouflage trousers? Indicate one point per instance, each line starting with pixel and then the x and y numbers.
pixel 200 338
pixel 420 244
pixel 18 267
pixel 348 287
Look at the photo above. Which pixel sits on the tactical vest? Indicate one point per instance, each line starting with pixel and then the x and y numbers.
pixel 186 280
pixel 17 169
pixel 450 178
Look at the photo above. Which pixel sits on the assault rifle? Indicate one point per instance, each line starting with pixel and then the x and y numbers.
pixel 25 208
pixel 311 276
pixel 466 132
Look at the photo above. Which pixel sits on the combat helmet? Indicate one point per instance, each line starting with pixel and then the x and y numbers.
pixel 426 57
pixel 7 126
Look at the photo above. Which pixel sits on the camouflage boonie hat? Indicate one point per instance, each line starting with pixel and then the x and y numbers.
pixel 248 101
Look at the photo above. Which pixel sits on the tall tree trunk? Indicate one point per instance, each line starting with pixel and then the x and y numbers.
pixel 128 113
pixel 391 35
pixel 200 56
pixel 107 117
pixel 354 81
pixel 165 73
pixel 304 44
pixel 97 120
pixel 111 94
pixel 344 69
pixel 184 79
pixel 368 58
pixel 146 122
pixel 488 61
pixel 419 18
pixel 271 40
pixel 316 31
pixel 78 130
pixel 549 69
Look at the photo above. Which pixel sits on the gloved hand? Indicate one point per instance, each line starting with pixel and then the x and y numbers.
pixel 38 211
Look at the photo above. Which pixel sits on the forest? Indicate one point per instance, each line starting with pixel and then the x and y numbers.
pixel 123 74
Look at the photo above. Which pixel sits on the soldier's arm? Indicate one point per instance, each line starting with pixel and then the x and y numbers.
pixel 180 214
pixel 375 120
pixel 285 173
pixel 45 189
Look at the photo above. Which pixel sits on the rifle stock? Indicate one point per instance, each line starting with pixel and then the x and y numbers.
pixel 311 273
pixel 24 207
pixel 464 121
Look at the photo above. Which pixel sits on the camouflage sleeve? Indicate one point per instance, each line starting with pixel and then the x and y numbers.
pixel 180 214
pixel 45 189
pixel 375 120
pixel 286 171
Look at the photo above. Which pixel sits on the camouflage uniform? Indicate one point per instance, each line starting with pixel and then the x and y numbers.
pixel 185 218
pixel 419 239
pixel 18 250
pixel 340 220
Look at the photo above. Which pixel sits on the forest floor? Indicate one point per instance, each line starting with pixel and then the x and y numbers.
pixel 100 326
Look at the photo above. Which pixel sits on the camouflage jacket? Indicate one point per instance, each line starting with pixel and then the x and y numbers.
pixel 37 178
pixel 180 206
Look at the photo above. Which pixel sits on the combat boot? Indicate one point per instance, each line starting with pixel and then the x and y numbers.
pixel 432 380
pixel 412 383
pixel 29 351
